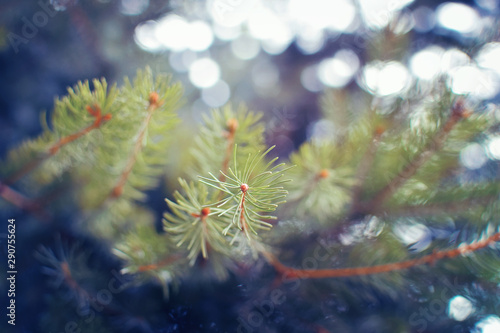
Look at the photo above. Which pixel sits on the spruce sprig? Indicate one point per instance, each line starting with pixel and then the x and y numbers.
pixel 148 254
pixel 222 130
pixel 322 181
pixel 251 191
pixel 193 223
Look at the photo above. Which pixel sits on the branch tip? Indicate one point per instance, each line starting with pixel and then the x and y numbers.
pixel 154 99
pixel 324 173
pixel 232 125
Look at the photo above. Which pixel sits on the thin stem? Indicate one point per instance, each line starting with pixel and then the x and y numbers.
pixel 162 263
pixel 289 273
pixel 364 168
pixel 83 295
pixel 243 222
pixel 21 201
pixel 439 208
pixel 309 187
pixel 54 149
pixel 232 126
pixel 117 190
pixel 71 282
pixel 205 211
pixel 458 113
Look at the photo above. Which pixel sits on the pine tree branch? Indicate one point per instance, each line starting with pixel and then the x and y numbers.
pixel 71 282
pixel 154 103
pixel 290 273
pixel 232 126
pixel 243 223
pixel 364 168
pixel 22 202
pixel 458 112
pixel 162 263
pixel 448 208
pixel 309 188
pixel 100 119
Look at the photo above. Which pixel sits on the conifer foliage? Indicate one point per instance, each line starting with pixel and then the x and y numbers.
pixel 109 145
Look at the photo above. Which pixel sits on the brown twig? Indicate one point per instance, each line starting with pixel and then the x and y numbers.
pixel 438 208
pixel 232 126
pixel 458 112
pixel 71 282
pixel 205 211
pixel 22 202
pixel 117 190
pixel 289 273
pixel 243 223
pixel 99 119
pixel 162 263
pixel 364 168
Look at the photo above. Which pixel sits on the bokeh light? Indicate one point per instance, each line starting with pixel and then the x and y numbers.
pixel 454 58
pixel 490 324
pixel 489 57
pixel 415 234
pixel 310 41
pixel 204 73
pixel 322 14
pixel 254 29
pixel 171 30
pixel 226 33
pixel 494 148
pixel 216 95
pixel 230 13
pixel 460 308
pixel 491 5
pixel 385 78
pixel 426 64
pixel 245 47
pixel 459 17
pixel 145 38
pixel 177 34
pixel 200 36
pixel 181 61
pixel 378 13
pixel 133 7
pixel 474 81
pixel 473 156
pixel 339 70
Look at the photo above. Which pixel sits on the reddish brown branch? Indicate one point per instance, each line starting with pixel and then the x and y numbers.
pixel 203 215
pixel 289 273
pixel 439 208
pixel 71 282
pixel 15 198
pixel 99 119
pixel 21 201
pixel 364 168
pixel 458 112
pixel 243 223
pixel 162 263
pixel 117 190
pixel 232 126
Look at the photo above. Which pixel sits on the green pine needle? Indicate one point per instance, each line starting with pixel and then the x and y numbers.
pixel 250 191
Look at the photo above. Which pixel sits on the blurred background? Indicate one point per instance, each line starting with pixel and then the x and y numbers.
pixel 277 56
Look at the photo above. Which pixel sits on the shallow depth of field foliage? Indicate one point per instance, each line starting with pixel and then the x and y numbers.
pixel 390 173
pixel 374 223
